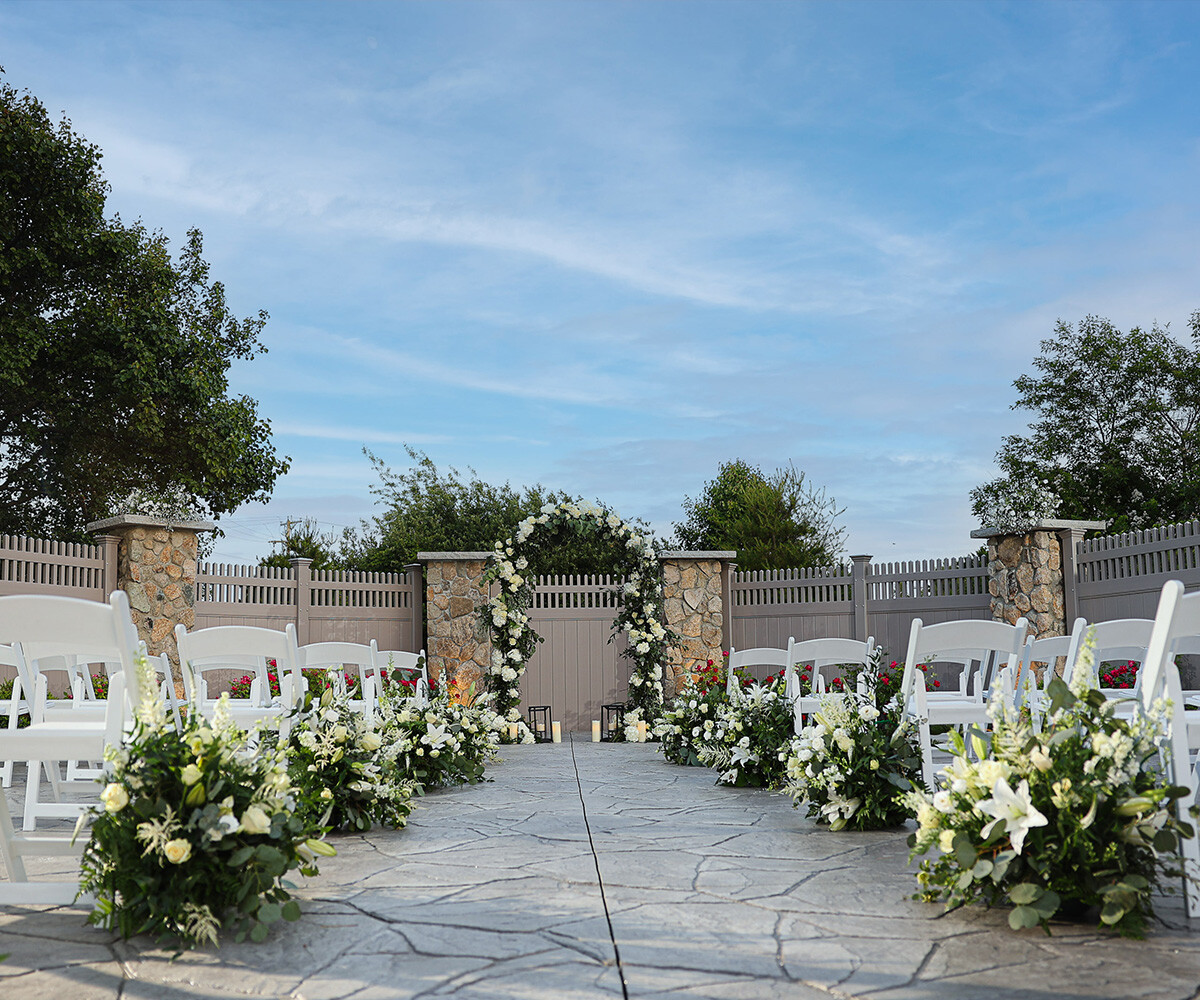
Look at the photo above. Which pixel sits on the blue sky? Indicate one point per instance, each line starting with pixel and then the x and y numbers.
pixel 606 246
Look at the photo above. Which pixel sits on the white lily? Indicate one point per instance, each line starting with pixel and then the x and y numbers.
pixel 1013 808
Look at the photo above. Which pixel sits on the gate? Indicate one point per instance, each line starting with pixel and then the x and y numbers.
pixel 576 669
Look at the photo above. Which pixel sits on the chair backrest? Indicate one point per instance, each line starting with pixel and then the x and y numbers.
pixel 961 641
pixel 325 655
pixel 1178 618
pixel 760 656
pixel 69 627
pixel 1048 651
pixel 236 647
pixel 819 653
pixel 1116 639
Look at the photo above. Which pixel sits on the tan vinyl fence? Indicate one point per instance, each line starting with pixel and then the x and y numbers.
pixel 576 669
pixel 1120 576
pixel 62 569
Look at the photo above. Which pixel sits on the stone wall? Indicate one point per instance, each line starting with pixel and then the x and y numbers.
pixel 1025 580
pixel 693 589
pixel 454 593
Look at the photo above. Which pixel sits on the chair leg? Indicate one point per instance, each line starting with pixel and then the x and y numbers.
pixel 33 779
pixel 13 863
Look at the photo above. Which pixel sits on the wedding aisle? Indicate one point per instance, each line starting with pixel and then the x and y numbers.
pixel 599 870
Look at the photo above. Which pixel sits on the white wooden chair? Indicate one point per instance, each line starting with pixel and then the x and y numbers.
pixel 414 664
pixel 1024 687
pixel 991 645
pixel 1178 618
pixel 241 648
pixel 86 625
pixel 343 656
pixel 760 656
pixel 1116 639
pixel 815 654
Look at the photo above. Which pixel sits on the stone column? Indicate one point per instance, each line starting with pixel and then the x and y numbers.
pixel 156 567
pixel 695 598
pixel 1025 573
pixel 454 593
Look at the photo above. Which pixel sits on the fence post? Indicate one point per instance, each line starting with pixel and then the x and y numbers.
pixel 860 596
pixel 1068 542
pixel 302 569
pixel 416 582
pixel 727 571
pixel 108 550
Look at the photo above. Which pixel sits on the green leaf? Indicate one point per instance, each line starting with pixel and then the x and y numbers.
pixel 964 850
pixel 983 868
pixel 1047 904
pixel 1112 911
pixel 1060 695
pixel 1024 893
pixel 258 933
pixel 1165 842
pixel 240 857
pixel 269 913
pixel 1023 917
pixel 291 910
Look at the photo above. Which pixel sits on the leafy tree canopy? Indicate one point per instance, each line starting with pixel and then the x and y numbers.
pixel 113 372
pixel 775 521
pixel 428 510
pixel 305 540
pixel 1116 433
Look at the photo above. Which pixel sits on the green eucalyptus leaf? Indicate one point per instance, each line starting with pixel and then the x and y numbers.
pixel 1022 918
pixel 1025 892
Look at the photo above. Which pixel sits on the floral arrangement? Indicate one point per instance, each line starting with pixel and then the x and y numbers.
pixel 854 761
pixel 1014 503
pixel 345 776
pixel 197 831
pixel 315 678
pixel 1063 820
pixel 691 715
pixel 447 742
pixel 173 504
pixel 749 739
pixel 640 615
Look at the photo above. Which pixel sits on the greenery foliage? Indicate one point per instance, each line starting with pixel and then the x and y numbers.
pixel 774 521
pixel 115 360
pixel 748 740
pixel 1116 429
pixel 197 831
pixel 344 773
pixel 855 760
pixel 1055 821
pixel 691 715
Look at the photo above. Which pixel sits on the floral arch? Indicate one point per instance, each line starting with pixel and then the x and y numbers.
pixel 641 616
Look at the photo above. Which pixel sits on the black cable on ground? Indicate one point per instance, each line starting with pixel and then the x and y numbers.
pixel 599 877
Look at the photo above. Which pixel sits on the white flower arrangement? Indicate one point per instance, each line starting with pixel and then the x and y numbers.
pixel 640 616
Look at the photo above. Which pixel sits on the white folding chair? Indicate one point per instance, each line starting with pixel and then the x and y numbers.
pixel 964 642
pixel 12 708
pixel 1116 639
pixel 760 656
pixel 414 664
pixel 241 647
pixel 818 653
pixel 1024 687
pixel 1178 618
pixel 85 625
pixel 343 656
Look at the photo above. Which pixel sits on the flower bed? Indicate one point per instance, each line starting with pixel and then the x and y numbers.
pixel 749 737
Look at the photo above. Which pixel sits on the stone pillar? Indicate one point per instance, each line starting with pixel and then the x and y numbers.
pixel 454 593
pixel 695 599
pixel 1025 573
pixel 156 567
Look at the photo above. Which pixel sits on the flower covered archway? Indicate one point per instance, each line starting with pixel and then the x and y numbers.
pixel 641 616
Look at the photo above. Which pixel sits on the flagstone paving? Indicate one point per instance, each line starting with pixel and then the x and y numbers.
pixel 595 870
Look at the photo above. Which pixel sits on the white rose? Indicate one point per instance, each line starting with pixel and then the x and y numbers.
pixel 114 797
pixel 254 820
pixel 177 851
pixel 371 742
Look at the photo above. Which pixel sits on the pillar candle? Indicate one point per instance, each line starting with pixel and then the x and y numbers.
pixel 595 730
pixel 512 732
pixel 541 727
pixel 641 731
pixel 557 729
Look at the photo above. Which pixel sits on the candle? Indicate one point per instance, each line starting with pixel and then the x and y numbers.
pixel 541 727
pixel 556 728
pixel 612 723
pixel 641 731
pixel 512 732
pixel 595 730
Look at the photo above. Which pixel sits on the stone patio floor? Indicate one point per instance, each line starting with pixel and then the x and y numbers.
pixel 598 870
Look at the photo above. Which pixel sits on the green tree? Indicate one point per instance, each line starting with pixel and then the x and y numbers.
pixel 1117 429
pixel 428 510
pixel 113 373
pixel 305 540
pixel 772 522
